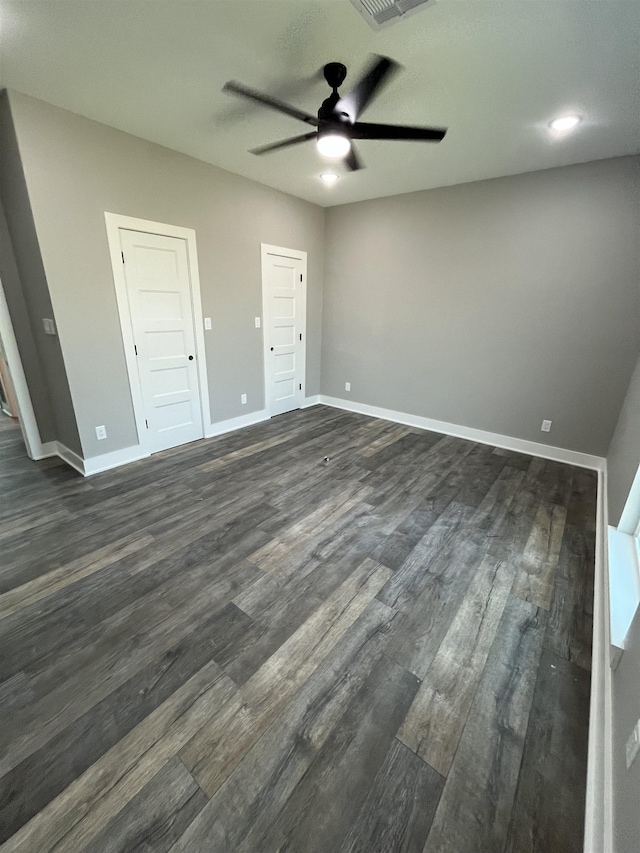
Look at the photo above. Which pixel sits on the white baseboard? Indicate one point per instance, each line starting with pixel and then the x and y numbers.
pixel 70 457
pixel 45 450
pixel 48 449
pixel 106 461
pixel 598 834
pixel 520 445
pixel 311 401
pixel 221 427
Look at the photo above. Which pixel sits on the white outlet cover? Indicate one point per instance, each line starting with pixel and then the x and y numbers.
pixel 347 386
pixel 207 323
pixel 243 399
pixel 546 426
pixel 257 322
pixel 101 432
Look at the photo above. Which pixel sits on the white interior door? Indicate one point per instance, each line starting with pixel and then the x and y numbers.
pixel 160 304
pixel 284 303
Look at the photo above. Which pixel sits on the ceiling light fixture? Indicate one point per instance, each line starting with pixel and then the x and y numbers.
pixel 329 178
pixel 565 122
pixel 333 145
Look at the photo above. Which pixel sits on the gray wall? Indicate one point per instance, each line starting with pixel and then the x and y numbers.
pixel 493 304
pixel 624 453
pixel 76 170
pixel 28 297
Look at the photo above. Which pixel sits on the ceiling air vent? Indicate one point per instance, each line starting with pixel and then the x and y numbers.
pixel 382 13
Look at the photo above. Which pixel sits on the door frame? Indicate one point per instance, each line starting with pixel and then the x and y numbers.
pixel 267 249
pixel 26 415
pixel 115 222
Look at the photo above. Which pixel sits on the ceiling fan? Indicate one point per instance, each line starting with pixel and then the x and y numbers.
pixel 337 122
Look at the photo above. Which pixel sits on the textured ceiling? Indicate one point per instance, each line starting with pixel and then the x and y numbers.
pixel 494 72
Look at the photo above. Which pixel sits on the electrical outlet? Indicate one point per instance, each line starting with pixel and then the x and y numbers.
pixel 257 322
pixel 49 326
pixel 633 745
pixel 546 426
pixel 101 432
pixel 243 399
pixel 347 386
pixel 207 323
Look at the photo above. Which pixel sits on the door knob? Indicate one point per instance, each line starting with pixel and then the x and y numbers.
pixel 190 358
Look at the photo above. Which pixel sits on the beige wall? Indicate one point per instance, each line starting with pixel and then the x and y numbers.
pixel 76 170
pixel 493 304
pixel 28 297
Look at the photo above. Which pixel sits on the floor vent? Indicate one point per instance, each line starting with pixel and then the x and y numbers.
pixel 382 13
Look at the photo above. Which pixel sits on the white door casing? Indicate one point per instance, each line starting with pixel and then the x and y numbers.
pixel 284 282
pixel 159 292
pixel 26 415
pixel 155 271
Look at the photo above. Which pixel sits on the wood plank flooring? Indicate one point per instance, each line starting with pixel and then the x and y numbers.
pixel 239 647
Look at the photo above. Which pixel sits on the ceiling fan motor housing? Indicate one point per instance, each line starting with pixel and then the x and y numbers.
pixel 326 112
pixel 334 74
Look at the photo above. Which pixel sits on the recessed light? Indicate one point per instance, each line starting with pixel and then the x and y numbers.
pixel 565 122
pixel 328 178
pixel 333 144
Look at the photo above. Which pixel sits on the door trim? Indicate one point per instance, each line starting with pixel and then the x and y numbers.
pixel 265 250
pixel 36 449
pixel 115 222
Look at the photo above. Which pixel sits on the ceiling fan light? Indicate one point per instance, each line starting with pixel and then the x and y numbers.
pixel 333 145
pixel 329 178
pixel 565 122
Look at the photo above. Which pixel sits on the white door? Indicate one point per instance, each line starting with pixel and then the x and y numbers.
pixel 159 295
pixel 284 305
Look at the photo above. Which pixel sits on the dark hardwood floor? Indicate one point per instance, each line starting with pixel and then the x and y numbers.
pixel 237 646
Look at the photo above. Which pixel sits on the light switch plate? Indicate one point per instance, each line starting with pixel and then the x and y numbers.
pixel 49 326
pixel 207 323
pixel 243 399
pixel 101 432
pixel 546 426
pixel 347 386
pixel 257 322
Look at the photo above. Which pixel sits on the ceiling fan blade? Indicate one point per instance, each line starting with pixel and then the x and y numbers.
pixel 233 88
pixel 369 85
pixel 362 130
pixel 284 143
pixel 352 161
